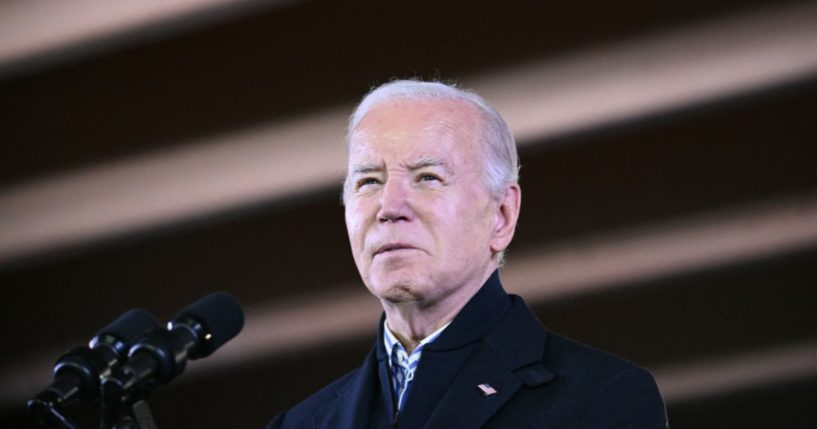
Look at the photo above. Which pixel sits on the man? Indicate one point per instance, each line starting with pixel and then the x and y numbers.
pixel 432 200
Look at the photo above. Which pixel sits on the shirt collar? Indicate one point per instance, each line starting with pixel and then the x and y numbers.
pixel 390 341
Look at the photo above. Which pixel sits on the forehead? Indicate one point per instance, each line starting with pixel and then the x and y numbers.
pixel 417 128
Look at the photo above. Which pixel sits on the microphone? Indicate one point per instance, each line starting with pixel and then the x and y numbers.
pixel 77 374
pixel 161 355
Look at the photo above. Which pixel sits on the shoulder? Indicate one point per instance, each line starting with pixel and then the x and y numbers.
pixel 589 386
pixel 304 414
pixel 565 357
pixel 612 391
pixel 569 356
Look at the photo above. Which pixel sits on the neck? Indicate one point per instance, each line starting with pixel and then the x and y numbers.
pixel 413 321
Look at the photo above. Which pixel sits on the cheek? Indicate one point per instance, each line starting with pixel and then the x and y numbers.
pixel 356 224
pixel 352 224
pixel 471 222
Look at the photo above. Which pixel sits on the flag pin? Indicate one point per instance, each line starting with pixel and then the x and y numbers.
pixel 487 390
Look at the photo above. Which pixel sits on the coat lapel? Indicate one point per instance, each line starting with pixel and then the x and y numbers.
pixel 508 357
pixel 464 405
pixel 358 401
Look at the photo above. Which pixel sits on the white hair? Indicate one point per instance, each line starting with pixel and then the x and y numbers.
pixel 501 159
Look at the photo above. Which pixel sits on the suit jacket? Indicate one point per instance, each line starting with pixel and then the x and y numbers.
pixel 541 379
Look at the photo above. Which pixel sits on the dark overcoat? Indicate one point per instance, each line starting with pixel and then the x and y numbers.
pixel 541 379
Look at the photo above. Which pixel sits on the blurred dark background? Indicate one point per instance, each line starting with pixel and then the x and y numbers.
pixel 154 153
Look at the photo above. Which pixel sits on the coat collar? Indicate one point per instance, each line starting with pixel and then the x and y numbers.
pixel 482 312
pixel 510 343
pixel 485 309
pixel 503 322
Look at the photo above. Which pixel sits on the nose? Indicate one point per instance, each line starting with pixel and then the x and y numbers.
pixel 394 202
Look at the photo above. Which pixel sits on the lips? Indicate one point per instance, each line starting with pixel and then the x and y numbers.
pixel 390 247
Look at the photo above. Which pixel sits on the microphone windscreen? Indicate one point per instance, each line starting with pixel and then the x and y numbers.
pixel 220 315
pixel 129 327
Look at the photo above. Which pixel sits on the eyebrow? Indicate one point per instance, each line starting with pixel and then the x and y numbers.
pixel 367 168
pixel 417 165
pixel 426 162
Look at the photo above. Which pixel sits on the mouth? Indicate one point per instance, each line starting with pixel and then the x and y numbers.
pixel 392 247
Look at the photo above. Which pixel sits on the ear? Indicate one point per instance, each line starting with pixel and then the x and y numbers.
pixel 505 217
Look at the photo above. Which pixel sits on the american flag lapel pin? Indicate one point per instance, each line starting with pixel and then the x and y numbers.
pixel 487 390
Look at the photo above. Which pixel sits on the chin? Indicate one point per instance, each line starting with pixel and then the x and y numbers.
pixel 395 287
pixel 398 295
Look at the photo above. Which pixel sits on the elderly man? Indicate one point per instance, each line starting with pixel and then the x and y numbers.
pixel 432 201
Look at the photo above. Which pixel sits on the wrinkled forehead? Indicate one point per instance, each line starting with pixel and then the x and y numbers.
pixel 417 124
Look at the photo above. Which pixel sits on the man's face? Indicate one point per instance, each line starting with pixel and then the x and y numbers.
pixel 418 213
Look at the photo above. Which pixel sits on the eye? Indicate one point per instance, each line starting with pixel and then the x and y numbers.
pixel 366 181
pixel 428 177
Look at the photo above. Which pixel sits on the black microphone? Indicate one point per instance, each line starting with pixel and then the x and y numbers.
pixel 160 356
pixel 77 374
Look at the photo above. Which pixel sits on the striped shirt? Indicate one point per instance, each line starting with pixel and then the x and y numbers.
pixel 402 365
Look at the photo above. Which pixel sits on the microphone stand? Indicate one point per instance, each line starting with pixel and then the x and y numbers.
pixel 124 410
pixel 46 414
pixel 134 416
